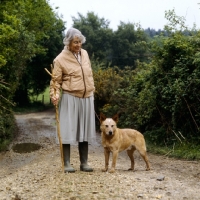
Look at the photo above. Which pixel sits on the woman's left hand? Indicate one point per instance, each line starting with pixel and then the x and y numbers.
pixel 55 99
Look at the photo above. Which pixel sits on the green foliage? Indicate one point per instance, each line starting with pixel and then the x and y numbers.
pixel 7 121
pixel 161 98
pixel 129 44
pixel 111 93
pixel 175 82
pixel 184 150
pixel 31 36
pixel 13 33
pixel 48 29
pixel 132 95
pixel 106 81
pixel 8 128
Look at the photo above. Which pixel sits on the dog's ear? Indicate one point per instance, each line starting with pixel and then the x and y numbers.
pixel 102 117
pixel 116 117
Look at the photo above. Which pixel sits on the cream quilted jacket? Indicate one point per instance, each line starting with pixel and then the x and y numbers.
pixel 71 76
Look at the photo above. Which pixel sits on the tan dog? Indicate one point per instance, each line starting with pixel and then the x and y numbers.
pixel 116 140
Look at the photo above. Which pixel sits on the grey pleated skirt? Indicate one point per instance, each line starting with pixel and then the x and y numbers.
pixel 77 119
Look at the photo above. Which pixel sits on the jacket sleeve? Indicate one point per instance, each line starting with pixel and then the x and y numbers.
pixel 56 82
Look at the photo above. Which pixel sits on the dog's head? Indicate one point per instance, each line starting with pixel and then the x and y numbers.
pixel 108 125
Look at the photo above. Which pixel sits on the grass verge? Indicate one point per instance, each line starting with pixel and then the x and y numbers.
pixel 186 151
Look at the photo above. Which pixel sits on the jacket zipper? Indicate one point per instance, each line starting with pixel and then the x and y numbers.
pixel 83 75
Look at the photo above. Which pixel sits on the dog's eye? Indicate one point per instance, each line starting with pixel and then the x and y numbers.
pixel 106 126
pixel 112 126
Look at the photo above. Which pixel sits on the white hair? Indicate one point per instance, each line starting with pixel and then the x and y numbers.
pixel 71 33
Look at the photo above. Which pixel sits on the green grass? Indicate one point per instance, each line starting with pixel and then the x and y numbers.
pixel 187 151
pixel 43 98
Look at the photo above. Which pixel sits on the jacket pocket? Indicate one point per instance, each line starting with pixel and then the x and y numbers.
pixel 73 81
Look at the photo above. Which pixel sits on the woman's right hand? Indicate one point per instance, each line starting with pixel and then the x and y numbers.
pixel 55 99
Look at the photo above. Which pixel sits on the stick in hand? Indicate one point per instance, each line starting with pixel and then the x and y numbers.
pixel 57 118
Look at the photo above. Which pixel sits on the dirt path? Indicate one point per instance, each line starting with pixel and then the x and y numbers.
pixel 38 175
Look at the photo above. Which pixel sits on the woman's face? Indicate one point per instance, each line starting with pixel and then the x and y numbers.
pixel 75 45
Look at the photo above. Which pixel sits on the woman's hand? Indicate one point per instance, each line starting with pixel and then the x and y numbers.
pixel 55 99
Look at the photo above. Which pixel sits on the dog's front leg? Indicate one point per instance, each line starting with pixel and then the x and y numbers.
pixel 114 159
pixel 107 156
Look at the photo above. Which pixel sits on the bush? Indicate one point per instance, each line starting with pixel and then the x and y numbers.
pixel 8 129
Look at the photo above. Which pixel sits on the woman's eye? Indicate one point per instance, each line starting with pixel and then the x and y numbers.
pixel 77 42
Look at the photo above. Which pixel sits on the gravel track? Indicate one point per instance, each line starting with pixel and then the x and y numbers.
pixel 38 175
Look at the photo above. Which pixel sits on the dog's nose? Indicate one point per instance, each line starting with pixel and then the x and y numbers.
pixel 110 132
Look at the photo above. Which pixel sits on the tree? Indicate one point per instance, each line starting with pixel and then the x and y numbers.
pixel 98 35
pixel 26 32
pixel 35 79
pixel 161 98
pixel 129 45
pixel 169 101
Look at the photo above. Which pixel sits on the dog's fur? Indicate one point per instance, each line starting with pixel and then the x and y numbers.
pixel 116 140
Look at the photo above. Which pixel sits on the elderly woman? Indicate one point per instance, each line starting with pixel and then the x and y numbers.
pixel 72 69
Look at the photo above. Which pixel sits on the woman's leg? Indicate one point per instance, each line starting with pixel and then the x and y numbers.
pixel 66 154
pixel 83 152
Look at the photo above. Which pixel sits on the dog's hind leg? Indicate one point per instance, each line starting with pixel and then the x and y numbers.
pixel 130 153
pixel 143 153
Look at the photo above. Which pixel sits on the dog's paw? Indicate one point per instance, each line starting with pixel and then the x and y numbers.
pixel 112 171
pixel 130 169
pixel 104 170
pixel 147 169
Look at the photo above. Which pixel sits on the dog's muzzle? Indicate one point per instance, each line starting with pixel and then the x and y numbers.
pixel 110 132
